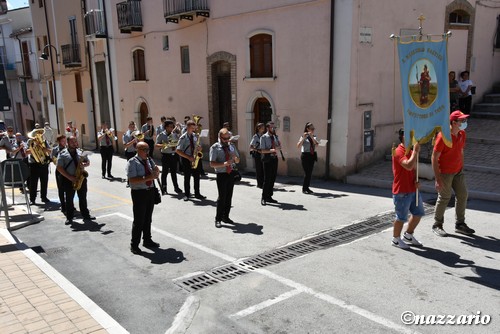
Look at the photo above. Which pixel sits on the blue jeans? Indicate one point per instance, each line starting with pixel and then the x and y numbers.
pixel 406 202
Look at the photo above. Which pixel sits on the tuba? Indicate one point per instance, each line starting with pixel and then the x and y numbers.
pixel 197 146
pixel 37 146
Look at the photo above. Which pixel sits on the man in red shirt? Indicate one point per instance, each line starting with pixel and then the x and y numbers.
pixel 448 164
pixel 404 190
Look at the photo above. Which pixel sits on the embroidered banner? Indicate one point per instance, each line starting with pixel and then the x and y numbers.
pixel 424 85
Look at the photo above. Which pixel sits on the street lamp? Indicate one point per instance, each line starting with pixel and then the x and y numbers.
pixel 45 56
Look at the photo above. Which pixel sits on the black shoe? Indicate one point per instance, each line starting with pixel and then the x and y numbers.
pixel 263 202
pixel 68 222
pixel 111 176
pixel 307 191
pixel 164 191
pixel 186 198
pixel 218 224
pixel 89 217
pixel 150 244
pixel 228 220
pixel 33 203
pixel 464 229
pixel 271 200
pixel 103 176
pixel 45 200
pixel 200 196
pixel 178 190
pixel 135 250
pixel 310 191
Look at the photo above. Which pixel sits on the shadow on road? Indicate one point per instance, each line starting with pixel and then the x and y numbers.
pixel 162 256
pixel 251 228
pixel 489 243
pixel 88 225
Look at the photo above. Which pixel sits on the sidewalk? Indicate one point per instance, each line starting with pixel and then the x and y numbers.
pixel 481 164
pixel 34 298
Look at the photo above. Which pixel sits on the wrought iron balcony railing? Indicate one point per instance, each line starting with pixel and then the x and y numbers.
pixel 176 10
pixel 129 16
pixel 71 55
pixel 94 24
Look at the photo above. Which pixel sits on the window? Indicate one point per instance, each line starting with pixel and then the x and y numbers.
pixel 497 34
pixel 139 65
pixel 26 59
pixel 72 30
pixel 45 40
pixel 78 86
pixel 40 3
pixel 165 43
pixel 459 17
pixel 185 67
pixel 51 92
pixel 261 56
pixel 24 92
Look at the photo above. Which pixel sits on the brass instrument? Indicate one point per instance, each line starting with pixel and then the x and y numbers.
pixel 80 173
pixel 197 147
pixel 172 142
pixel 37 146
pixel 111 134
pixel 138 135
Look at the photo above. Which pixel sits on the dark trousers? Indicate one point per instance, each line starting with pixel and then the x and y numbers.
pixel 60 190
pixel 142 206
pixel 107 158
pixel 169 163
pixel 270 171
pixel 307 160
pixel 259 170
pixel 38 172
pixel 70 194
pixel 465 104
pixel 151 144
pixel 225 186
pixel 188 171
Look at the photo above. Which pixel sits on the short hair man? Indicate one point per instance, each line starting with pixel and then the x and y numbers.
pixel 448 164
pixel 404 190
pixel 269 146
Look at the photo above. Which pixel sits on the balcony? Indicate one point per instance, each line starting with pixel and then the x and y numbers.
pixel 176 10
pixel 129 16
pixel 11 71
pixel 71 55
pixel 94 24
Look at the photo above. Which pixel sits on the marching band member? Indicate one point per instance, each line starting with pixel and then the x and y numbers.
pixel 187 151
pixel 39 170
pixel 68 162
pixel 129 141
pixel 149 131
pixel 141 173
pixel 166 141
pixel 307 144
pixel 255 153
pixel 61 145
pixel 223 156
pixel 269 146
pixel 161 127
pixel 105 138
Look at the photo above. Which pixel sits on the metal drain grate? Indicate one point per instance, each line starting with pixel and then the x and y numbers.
pixel 278 255
pixel 303 247
pixel 255 263
pixel 377 223
pixel 227 272
pixel 361 229
pixel 324 241
pixel 197 282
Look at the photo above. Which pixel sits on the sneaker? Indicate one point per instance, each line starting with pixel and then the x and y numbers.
pixel 410 238
pixel 464 229
pixel 397 242
pixel 438 230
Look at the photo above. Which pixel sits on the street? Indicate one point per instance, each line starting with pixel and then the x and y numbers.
pixel 231 280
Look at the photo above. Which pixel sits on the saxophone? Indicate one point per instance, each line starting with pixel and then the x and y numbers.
pixel 80 174
pixel 197 147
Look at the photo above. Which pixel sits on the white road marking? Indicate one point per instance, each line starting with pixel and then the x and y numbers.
pixel 265 304
pixel 297 286
pixel 185 316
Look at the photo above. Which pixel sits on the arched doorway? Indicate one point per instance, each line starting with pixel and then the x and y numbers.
pixel 262 111
pixel 143 113
pixel 221 74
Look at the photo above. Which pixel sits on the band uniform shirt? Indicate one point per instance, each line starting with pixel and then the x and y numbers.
pixel 19 154
pixel 135 168
pixel 65 160
pixel 266 143
pixel 127 138
pixel 184 144
pixel 105 140
pixel 56 150
pixel 163 138
pixel 31 159
pixel 306 145
pixel 159 129
pixel 404 180
pixel 218 154
pixel 147 134
pixel 255 142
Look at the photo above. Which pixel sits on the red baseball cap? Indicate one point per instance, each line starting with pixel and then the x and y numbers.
pixel 458 115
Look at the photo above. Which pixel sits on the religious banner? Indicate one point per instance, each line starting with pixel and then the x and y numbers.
pixel 424 85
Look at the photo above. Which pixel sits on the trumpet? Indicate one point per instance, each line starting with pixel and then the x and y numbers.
pixel 138 135
pixel 111 134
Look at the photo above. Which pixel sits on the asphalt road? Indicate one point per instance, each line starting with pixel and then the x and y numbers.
pixel 360 286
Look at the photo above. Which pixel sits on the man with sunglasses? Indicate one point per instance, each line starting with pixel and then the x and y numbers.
pixel 269 147
pixel 141 174
pixel 448 163
pixel 223 156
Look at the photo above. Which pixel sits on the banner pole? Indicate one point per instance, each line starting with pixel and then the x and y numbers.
pixel 416 192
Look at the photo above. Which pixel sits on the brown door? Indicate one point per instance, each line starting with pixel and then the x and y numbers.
pixel 144 112
pixel 262 111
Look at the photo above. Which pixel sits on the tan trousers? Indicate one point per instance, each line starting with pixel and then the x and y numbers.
pixel 457 183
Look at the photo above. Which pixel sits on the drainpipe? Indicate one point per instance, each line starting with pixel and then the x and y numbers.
pixel 109 69
pixel 330 92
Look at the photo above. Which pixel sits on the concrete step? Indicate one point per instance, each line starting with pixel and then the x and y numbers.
pixel 491 98
pixel 486 110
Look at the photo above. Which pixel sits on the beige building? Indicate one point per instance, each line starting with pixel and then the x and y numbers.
pixel 330 62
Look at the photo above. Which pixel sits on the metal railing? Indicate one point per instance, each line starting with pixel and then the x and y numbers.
pixel 94 23
pixel 129 15
pixel 178 7
pixel 71 55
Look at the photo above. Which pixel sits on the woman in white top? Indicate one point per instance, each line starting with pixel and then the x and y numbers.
pixel 307 144
pixel 465 94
